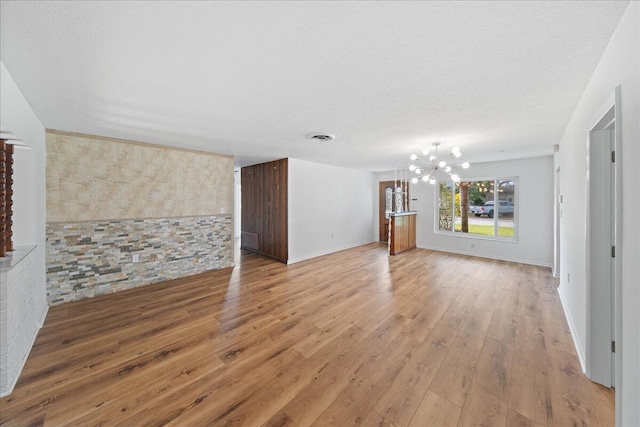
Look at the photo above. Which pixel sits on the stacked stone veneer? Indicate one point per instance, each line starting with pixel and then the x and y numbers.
pixel 86 259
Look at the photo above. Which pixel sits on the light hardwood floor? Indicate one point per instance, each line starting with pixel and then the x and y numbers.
pixel 354 338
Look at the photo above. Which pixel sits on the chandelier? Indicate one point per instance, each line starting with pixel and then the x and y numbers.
pixel 429 166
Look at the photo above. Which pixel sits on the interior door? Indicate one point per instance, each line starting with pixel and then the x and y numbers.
pixel 388 203
pixel 601 241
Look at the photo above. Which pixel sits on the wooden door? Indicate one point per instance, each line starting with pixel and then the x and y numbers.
pixel 264 226
pixel 387 205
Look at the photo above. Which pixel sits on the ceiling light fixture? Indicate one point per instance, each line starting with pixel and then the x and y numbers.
pixel 428 167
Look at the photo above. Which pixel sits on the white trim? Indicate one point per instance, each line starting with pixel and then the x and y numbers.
pixel 473 254
pixel 557 209
pixel 500 258
pixel 598 240
pixel 459 234
pixel 574 333
pixel 619 198
pixel 330 251
pixel 42 318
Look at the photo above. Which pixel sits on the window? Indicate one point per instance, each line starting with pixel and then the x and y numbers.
pixel 480 208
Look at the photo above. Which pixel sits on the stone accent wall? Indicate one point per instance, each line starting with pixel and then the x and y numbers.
pixel 110 199
pixel 86 259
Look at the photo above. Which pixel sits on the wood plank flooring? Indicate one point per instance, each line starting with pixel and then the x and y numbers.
pixel 354 338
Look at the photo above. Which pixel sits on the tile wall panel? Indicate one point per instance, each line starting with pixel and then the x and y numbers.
pixel 87 259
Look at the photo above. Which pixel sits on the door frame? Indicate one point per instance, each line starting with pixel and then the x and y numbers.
pixel 556 221
pixel 382 205
pixel 603 229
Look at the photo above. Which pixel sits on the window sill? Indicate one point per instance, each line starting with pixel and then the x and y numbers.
pixel 477 237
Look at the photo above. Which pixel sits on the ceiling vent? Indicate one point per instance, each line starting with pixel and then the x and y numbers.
pixel 320 137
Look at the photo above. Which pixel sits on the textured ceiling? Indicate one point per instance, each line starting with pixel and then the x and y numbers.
pixel 252 79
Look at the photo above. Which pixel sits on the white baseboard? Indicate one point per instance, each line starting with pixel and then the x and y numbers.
pixel 327 252
pixel 475 254
pixel 43 316
pixel 501 258
pixel 574 334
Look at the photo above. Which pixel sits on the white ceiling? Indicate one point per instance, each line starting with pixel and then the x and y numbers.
pixel 252 79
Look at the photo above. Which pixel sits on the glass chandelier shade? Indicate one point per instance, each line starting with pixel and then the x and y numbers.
pixel 426 168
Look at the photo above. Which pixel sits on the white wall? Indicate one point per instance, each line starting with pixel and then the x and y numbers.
pixel 18 325
pixel 29 176
pixel 330 209
pixel 29 189
pixel 24 199
pixel 535 213
pixel 619 65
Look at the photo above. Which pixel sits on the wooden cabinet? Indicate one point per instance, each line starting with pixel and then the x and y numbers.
pixel 264 223
pixel 402 232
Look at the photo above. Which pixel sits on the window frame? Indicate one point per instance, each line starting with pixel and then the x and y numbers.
pixel 496 237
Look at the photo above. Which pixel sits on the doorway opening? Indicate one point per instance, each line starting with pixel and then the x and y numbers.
pixel 390 203
pixel 556 221
pixel 237 212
